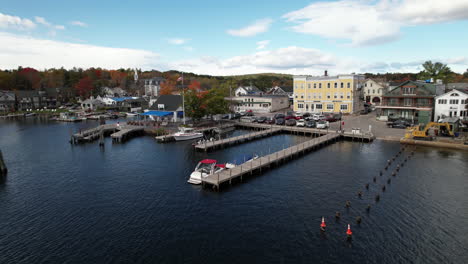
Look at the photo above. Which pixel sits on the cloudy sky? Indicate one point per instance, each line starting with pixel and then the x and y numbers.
pixel 235 37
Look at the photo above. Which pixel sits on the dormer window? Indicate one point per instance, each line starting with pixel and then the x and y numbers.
pixel 160 106
pixel 454 94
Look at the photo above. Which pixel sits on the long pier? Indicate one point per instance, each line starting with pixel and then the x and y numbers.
pixel 207 145
pixel 267 161
pixel 118 133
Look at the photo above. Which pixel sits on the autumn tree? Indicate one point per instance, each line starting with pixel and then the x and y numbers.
pixel 32 76
pixel 84 87
pixel 167 87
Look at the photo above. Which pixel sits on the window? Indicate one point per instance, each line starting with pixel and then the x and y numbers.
pixel 336 85
pixel 328 96
pixel 320 85
pixel 314 95
pixel 328 85
pixel 408 101
pixel 302 86
pixel 453 101
pixel 335 96
pixel 423 102
pixel 371 85
pixel 365 85
pixel 462 101
pixel 320 96
pixel 348 85
pixel 454 113
pixel 368 91
pixel 308 96
pixel 408 90
pixel 344 107
pixel 342 85
pixel 442 101
pixel 302 96
pixel 318 106
pixel 296 96
pixel 311 106
pixel 300 105
pixel 308 85
pixel 341 95
pixel 373 91
pixel 315 85
pixel 295 86
pixel 329 106
pixel 348 95
pixel 160 106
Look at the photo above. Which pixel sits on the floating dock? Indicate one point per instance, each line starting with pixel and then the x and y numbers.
pixel 118 133
pixel 267 161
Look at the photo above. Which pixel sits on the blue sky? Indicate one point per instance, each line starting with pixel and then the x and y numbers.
pixel 235 37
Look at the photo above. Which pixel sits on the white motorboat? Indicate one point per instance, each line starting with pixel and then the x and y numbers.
pixel 205 168
pixel 131 114
pixel 186 133
pixel 241 160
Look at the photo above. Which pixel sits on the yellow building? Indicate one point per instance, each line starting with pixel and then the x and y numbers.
pixel 328 94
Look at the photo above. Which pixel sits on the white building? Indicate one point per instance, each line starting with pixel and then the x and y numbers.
pixel 451 104
pixel 153 85
pixel 91 104
pixel 373 91
pixel 263 103
pixel 246 90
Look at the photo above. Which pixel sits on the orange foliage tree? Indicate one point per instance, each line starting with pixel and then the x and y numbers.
pixel 84 87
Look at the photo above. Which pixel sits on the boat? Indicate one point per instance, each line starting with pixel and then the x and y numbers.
pixel 131 114
pixel 186 133
pixel 203 169
pixel 241 160
pixel 29 115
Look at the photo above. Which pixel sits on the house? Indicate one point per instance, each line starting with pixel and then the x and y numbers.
pixel 283 90
pixel 412 100
pixel 7 101
pixel 153 85
pixel 91 104
pixel 29 100
pixel 166 107
pixel 52 97
pixel 133 104
pixel 373 91
pixel 451 104
pixel 113 92
pixel 261 103
pixel 340 93
pixel 458 86
pixel 246 90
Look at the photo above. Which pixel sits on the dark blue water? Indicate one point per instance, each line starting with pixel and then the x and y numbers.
pixel 131 204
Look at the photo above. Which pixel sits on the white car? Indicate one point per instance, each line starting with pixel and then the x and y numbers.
pixel 322 124
pixel 300 123
pixel 318 117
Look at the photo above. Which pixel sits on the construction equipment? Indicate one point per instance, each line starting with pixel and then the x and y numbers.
pixel 428 132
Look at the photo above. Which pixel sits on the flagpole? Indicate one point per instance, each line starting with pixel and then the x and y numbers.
pixel 183 98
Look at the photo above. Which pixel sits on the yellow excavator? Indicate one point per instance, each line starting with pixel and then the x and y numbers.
pixel 428 132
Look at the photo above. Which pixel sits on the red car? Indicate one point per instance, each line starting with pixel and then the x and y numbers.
pixel 290 117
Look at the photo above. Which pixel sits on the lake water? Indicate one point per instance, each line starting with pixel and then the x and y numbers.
pixel 130 203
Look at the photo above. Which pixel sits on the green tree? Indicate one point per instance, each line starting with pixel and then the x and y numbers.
pixel 215 102
pixel 436 71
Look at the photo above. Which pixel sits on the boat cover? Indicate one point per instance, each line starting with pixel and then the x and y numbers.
pixel 156 113
pixel 208 161
pixel 241 159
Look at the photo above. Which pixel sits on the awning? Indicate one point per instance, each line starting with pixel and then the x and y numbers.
pixel 208 161
pixel 156 113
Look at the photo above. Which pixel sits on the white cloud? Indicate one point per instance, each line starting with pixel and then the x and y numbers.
pixel 16 50
pixel 372 22
pixel 255 28
pixel 14 22
pixel 177 41
pixel 78 23
pixel 262 44
pixel 59 27
pixel 44 22
pixel 188 48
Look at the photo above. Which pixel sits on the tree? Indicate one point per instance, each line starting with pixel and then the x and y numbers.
pixel 436 71
pixel 465 74
pixel 84 87
pixel 216 103
pixel 32 76
pixel 167 87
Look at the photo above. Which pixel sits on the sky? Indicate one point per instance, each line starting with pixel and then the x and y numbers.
pixel 235 37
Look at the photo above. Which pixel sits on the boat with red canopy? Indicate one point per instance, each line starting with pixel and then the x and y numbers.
pixel 203 169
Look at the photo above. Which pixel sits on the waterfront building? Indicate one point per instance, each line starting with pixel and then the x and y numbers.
pixel 167 107
pixel 412 100
pixel 451 104
pixel 283 90
pixel 261 103
pixel 373 91
pixel 152 86
pixel 325 93
pixel 7 101
pixel 247 90
pixel 29 100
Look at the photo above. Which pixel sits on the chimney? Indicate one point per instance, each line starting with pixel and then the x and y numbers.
pixel 326 73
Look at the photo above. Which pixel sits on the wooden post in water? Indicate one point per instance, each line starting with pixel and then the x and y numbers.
pixel 3 168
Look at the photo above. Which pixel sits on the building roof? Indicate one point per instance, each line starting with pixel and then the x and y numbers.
pixel 92 101
pixel 7 95
pixel 26 93
pixel 458 86
pixel 250 89
pixel 465 92
pixel 424 89
pixel 171 102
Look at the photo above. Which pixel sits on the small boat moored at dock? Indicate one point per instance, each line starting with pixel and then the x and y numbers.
pixel 204 168
pixel 187 133
pixel 241 160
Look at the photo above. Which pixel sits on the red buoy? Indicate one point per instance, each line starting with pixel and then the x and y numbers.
pixel 349 233
pixel 323 225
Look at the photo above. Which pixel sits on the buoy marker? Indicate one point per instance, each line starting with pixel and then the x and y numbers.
pixel 323 225
pixel 349 233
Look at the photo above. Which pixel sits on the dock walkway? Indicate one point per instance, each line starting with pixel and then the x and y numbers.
pixel 235 140
pixel 118 133
pixel 266 161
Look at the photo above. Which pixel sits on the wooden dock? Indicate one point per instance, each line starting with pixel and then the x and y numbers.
pixel 267 161
pixel 207 145
pixel 124 132
pixel 118 133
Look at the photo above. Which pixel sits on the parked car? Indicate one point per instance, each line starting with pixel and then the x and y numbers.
pixel 330 118
pixel 261 119
pixel 247 119
pixel 400 123
pixel 291 122
pixel 318 117
pixel 305 115
pixel 310 124
pixel 279 116
pixel 279 121
pixel 300 123
pixel 254 119
pixel 299 117
pixel 290 117
pixel 269 120
pixel 322 124
pixel 249 113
